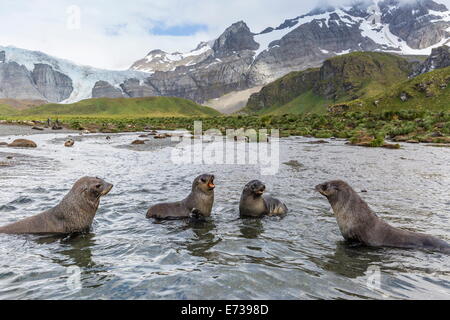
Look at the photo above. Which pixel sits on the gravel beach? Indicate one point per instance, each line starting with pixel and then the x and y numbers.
pixel 17 130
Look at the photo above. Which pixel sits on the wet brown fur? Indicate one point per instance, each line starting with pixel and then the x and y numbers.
pixel 358 223
pixel 74 213
pixel 198 203
pixel 254 204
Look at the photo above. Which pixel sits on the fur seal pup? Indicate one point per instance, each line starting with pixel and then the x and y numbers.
pixel 358 223
pixel 254 204
pixel 74 213
pixel 198 203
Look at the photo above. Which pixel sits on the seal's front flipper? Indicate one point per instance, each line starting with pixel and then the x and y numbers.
pixel 195 213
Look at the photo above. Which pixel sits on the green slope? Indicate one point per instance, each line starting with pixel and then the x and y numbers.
pixel 429 91
pixel 307 102
pixel 342 78
pixel 130 107
pixel 6 110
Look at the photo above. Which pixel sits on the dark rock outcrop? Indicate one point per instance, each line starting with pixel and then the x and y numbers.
pixel 135 89
pixel 210 79
pixel 16 82
pixel 53 85
pixel 236 38
pixel 439 58
pixel 103 89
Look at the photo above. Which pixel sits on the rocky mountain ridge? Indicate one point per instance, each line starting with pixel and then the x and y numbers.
pixel 238 59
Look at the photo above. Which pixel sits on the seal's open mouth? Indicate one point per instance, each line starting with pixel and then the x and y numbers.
pixel 211 184
pixel 107 189
pixel 260 191
pixel 321 188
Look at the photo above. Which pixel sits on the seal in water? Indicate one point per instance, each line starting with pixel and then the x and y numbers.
pixel 198 203
pixel 358 223
pixel 73 214
pixel 254 204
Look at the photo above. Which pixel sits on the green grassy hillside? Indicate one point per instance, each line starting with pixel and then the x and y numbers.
pixel 7 110
pixel 307 102
pixel 429 91
pixel 132 107
pixel 341 78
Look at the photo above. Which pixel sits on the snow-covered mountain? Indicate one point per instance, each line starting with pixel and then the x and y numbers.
pixel 158 60
pixel 26 74
pixel 413 28
pixel 239 59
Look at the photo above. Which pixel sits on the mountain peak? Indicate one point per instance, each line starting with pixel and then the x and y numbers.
pixel 237 37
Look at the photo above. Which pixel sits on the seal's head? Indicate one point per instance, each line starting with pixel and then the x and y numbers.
pixel 255 188
pixel 337 191
pixel 91 188
pixel 332 188
pixel 204 183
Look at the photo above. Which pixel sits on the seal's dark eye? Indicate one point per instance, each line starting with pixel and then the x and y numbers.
pixel 203 180
pixel 98 186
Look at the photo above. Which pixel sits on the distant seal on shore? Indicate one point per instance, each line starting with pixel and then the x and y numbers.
pixel 74 213
pixel 358 223
pixel 22 143
pixel 254 204
pixel 198 203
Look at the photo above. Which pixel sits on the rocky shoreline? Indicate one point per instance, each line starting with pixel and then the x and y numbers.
pixel 25 130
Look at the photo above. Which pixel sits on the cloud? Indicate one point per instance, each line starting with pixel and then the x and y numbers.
pixel 113 34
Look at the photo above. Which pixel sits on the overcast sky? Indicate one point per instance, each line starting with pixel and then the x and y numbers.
pixel 112 34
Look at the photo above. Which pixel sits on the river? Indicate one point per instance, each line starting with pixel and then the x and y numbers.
pixel 300 256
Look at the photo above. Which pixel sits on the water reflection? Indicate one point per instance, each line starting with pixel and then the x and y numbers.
pixel 76 250
pixel 251 228
pixel 75 247
pixel 351 260
pixel 204 237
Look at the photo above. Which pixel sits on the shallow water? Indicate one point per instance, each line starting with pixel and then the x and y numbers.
pixel 301 256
